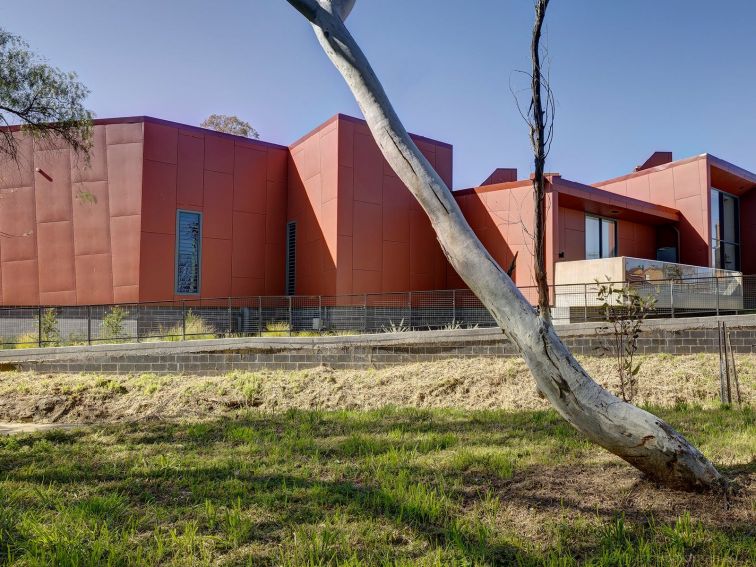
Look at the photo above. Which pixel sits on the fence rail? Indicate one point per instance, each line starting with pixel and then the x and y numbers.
pixel 345 314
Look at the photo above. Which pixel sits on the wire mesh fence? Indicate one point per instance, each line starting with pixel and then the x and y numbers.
pixel 270 316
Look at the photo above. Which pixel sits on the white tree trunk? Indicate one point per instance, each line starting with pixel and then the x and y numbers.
pixel 640 438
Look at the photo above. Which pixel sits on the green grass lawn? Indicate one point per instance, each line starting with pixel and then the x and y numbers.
pixel 384 487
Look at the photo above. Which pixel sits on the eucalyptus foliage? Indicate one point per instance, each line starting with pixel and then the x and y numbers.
pixel 41 99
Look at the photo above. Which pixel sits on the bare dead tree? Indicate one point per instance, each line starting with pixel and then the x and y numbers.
pixel 541 113
pixel 638 437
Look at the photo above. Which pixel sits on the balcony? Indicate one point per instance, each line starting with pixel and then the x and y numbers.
pixel 679 289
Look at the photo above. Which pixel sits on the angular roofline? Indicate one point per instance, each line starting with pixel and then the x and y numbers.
pixel 181 125
pixel 355 120
pixel 712 159
pixel 163 122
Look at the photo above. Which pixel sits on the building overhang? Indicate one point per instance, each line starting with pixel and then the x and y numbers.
pixel 603 203
pixel 730 178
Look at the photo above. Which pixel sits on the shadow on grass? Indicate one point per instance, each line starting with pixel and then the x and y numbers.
pixel 303 467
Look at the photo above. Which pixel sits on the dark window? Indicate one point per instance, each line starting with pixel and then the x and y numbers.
pixel 291 257
pixel 188 252
pixel 600 238
pixel 725 231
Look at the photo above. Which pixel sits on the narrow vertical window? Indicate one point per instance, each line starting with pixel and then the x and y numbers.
pixel 725 231
pixel 291 257
pixel 188 252
pixel 600 238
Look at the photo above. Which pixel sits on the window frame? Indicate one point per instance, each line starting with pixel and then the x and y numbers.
pixel 601 221
pixel 717 245
pixel 176 254
pixel 290 275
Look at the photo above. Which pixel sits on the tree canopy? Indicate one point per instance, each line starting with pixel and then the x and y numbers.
pixel 230 125
pixel 41 99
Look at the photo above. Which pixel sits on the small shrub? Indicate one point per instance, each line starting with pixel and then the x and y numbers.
pixel 396 327
pixel 194 327
pixel 112 323
pixel 625 310
pixel 27 340
pixel 277 329
pixel 49 326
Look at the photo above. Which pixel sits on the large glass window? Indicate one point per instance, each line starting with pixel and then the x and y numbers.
pixel 725 231
pixel 188 252
pixel 600 238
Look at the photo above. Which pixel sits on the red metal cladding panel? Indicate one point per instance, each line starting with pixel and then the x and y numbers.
pixel 159 197
pixel 277 164
pixel 366 281
pixel 20 173
pixel 368 170
pixel 160 143
pixel 57 297
pixel 94 280
pixel 52 185
pixel 275 254
pixel 275 217
pixel 125 241
pixel 396 266
pixel 250 179
pixel 91 215
pixel 190 176
pixel 96 167
pixel 249 245
pixel 216 268
pixel 56 256
pixel 20 283
pixel 126 294
pixel 156 274
pixel 368 240
pixel 17 219
pixel 124 133
pixel 125 179
pixel 248 287
pixel 219 153
pixel 219 196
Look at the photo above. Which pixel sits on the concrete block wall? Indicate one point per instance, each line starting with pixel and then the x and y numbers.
pixel 363 351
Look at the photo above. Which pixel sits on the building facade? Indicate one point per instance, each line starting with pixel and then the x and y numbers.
pixel 165 211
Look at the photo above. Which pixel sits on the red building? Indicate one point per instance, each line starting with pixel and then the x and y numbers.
pixel 164 211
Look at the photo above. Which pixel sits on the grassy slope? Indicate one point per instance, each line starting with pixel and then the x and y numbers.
pixel 388 486
pixel 472 384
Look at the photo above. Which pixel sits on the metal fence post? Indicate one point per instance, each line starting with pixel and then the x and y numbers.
pixel 716 291
pixel 585 302
pixel 183 320
pixel 320 314
pixel 672 298
pixel 289 315
pixel 230 324
pixel 364 314
pixel 409 307
pixel 454 308
pixel 89 324
pixel 39 326
pixel 259 315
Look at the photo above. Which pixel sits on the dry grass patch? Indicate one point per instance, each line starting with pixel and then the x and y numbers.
pixel 473 383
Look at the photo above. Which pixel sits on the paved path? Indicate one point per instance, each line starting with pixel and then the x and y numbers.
pixel 13 428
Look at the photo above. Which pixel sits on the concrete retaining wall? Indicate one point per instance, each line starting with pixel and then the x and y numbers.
pixel 680 336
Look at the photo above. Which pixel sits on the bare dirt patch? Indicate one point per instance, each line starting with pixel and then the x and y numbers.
pixel 471 384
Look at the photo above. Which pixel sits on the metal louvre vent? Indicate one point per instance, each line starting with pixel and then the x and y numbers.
pixel 291 257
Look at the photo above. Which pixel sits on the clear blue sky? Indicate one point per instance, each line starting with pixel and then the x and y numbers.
pixel 630 77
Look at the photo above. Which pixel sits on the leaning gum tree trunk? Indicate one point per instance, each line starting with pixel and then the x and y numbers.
pixel 638 437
